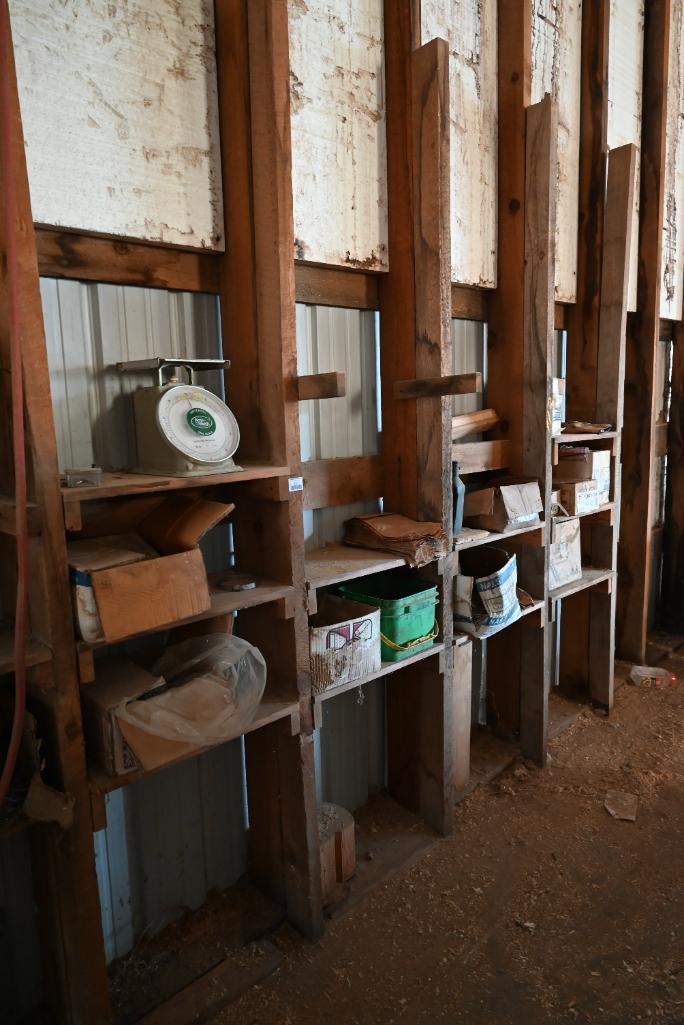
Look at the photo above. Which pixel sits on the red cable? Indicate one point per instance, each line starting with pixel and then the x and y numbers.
pixel 18 436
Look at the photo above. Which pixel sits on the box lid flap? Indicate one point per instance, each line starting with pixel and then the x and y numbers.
pixel 106 552
pixel 479 503
pixel 521 499
pixel 180 522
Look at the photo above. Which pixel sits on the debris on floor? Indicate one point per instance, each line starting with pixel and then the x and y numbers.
pixel 621 805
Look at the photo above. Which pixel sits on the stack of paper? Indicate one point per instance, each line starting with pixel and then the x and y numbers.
pixel 418 543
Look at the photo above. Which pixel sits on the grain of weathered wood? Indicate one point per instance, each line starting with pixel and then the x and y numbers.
pixel 478 456
pixel 468 303
pixel 322 386
pixel 462 688
pixel 435 387
pixel 335 286
pixel 68 254
pixel 473 423
pixel 470 29
pixel 101 94
pixel 582 317
pixel 338 130
pixel 555 69
pixel 329 482
pixel 634 556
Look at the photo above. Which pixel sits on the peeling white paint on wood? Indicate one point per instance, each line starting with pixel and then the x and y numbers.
pixel 625 67
pixel 470 27
pixel 673 214
pixel 339 168
pixel 120 112
pixel 556 52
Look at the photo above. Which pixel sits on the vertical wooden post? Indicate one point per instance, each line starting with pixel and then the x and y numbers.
pixel 634 567
pixel 582 317
pixel 415 342
pixel 537 352
pixel 258 318
pixel 68 905
pixel 672 601
pixel 610 376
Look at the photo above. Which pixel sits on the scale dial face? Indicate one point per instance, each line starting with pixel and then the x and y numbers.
pixel 197 424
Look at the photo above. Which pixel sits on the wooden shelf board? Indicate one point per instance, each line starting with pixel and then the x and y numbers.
pixel 494 536
pixel 269 711
pixel 460 636
pixel 581 439
pixel 385 669
pixel 590 577
pixel 337 563
pixel 120 484
pixel 36 653
pixel 222 602
pixel 607 507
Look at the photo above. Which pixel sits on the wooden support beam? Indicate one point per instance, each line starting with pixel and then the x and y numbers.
pixel 436 387
pixel 462 693
pixel 469 303
pixel 322 386
pixel 582 318
pixel 329 482
pixel 634 562
pixel 478 456
pixel 473 423
pixel 672 596
pixel 336 286
pixel 8 517
pixel 81 257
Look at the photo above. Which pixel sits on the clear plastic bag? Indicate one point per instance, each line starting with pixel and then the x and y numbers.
pixel 651 676
pixel 215 684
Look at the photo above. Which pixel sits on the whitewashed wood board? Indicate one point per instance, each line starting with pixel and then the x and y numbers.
pixel 470 28
pixel 120 112
pixel 625 68
pixel 673 214
pixel 339 165
pixel 556 45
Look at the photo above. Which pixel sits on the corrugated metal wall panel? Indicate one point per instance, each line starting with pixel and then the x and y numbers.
pixel 20 976
pixel 350 747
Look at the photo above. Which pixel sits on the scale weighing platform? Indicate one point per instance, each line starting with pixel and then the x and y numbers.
pixel 182 429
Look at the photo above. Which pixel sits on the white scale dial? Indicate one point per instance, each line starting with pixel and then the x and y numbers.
pixel 198 424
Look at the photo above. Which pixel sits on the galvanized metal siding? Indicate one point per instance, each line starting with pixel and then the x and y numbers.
pixel 20 974
pixel 120 111
pixel 470 27
pixel 339 166
pixel 350 747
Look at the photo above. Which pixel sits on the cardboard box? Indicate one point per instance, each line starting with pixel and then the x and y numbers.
pixel 118 747
pixel 565 552
pixel 344 639
pixel 503 507
pixel 575 464
pixel 557 404
pixel 580 498
pixel 121 584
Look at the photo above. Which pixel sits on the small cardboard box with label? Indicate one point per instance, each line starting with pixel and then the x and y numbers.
pixel 503 507
pixel 580 497
pixel 128 584
pixel 565 551
pixel 581 464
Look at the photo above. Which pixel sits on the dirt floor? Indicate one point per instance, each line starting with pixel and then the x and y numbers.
pixel 541 908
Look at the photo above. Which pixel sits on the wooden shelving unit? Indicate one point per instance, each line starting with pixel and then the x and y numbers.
pixel 428 695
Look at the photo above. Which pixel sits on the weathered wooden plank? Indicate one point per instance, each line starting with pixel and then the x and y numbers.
pixel 66 254
pixel 673 219
pixel 462 689
pixel 479 456
pixel 322 386
pixel 338 132
pixel 435 387
pixel 625 70
pixel 332 286
pixel 582 317
pixel 634 561
pixel 113 81
pixel 468 303
pixel 329 482
pixel 555 69
pixel 470 28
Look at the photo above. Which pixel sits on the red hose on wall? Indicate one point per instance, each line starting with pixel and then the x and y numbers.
pixel 18 436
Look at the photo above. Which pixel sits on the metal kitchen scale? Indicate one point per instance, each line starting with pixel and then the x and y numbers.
pixel 182 429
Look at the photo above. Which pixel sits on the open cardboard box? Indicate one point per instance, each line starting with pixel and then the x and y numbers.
pixel 132 583
pixel 118 747
pixel 502 507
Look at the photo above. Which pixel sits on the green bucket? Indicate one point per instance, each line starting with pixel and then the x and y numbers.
pixel 407 612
